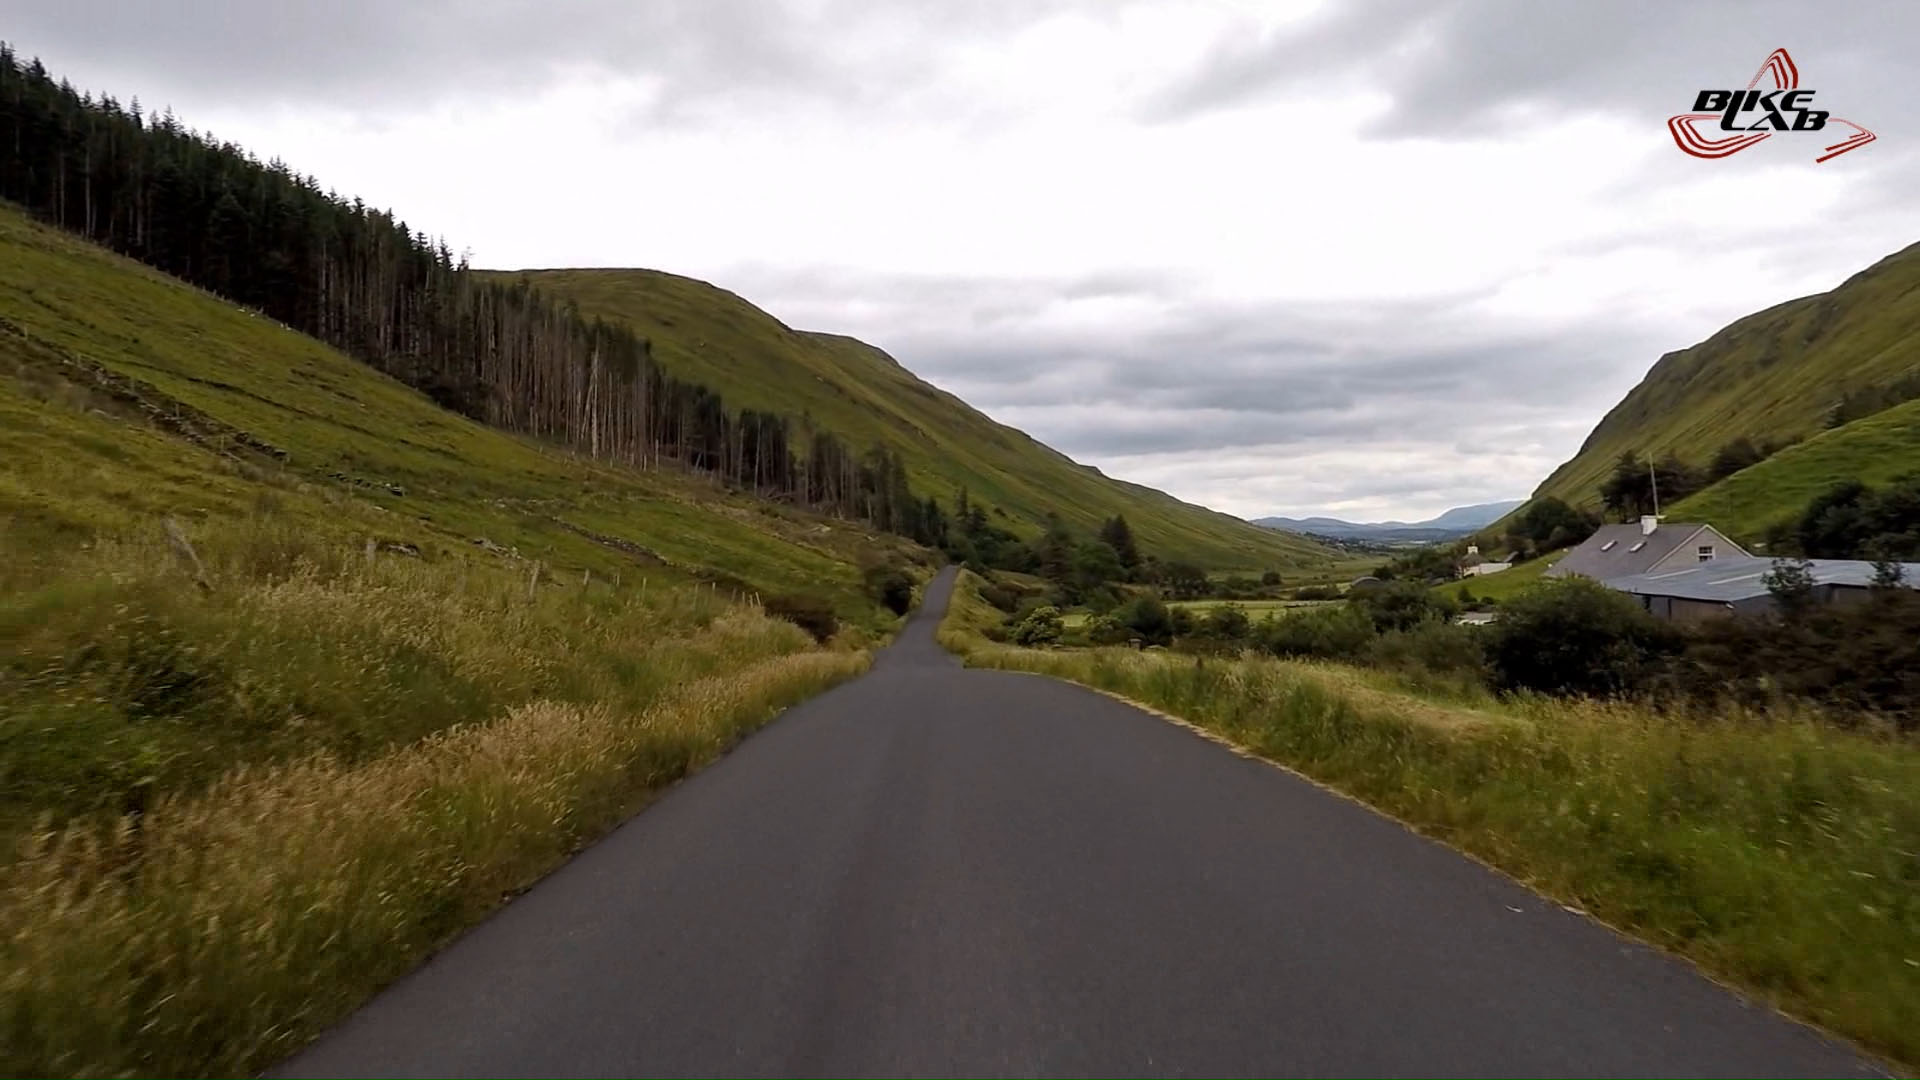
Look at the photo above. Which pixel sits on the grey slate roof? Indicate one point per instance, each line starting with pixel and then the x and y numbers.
pixel 1730 581
pixel 1627 555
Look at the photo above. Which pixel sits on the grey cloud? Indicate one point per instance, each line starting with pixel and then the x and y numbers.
pixel 1277 381
pixel 1467 67
pixel 397 54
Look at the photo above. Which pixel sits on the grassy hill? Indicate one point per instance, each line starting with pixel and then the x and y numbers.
pixel 1873 450
pixel 1772 375
pixel 300 674
pixel 96 348
pixel 847 386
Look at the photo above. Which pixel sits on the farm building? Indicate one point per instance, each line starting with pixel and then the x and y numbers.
pixel 1474 564
pixel 1738 587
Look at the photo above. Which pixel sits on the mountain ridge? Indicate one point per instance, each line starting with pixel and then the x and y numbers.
pixel 701 330
pixel 1454 522
pixel 1773 375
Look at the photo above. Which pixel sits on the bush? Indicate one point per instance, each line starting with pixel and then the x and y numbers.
pixel 1148 619
pixel 1107 630
pixel 1317 592
pixel 1042 626
pixel 1574 636
pixel 1435 647
pixel 1341 632
pixel 1227 622
pixel 999 597
pixel 814 614
pixel 1402 605
pixel 892 588
pixel 1855 660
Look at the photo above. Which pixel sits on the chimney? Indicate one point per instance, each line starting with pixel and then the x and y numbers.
pixel 1648 523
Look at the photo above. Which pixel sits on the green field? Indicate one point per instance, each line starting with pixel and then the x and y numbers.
pixel 859 392
pixel 1872 450
pixel 1504 584
pixel 1255 609
pixel 1772 375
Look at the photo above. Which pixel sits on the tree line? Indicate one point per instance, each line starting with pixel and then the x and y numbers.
pixel 263 236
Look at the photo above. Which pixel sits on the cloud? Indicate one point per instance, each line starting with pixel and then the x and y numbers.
pixel 1474 68
pixel 383 56
pixel 1359 256
pixel 1305 405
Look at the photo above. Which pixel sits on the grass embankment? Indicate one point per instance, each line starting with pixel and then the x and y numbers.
pixel 126 396
pixel 1872 450
pixel 423 740
pixel 1504 584
pixel 300 674
pixel 1778 853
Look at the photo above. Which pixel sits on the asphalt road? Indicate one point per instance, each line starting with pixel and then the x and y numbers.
pixel 937 871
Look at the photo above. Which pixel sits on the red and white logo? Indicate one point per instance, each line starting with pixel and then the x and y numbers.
pixel 1754 115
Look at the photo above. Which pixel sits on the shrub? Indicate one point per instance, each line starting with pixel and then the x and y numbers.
pixel 814 614
pixel 892 588
pixel 1317 592
pixel 1148 619
pixel 999 596
pixel 1328 633
pixel 1108 630
pixel 1574 636
pixel 1042 626
pixel 1855 660
pixel 1434 647
pixel 1227 622
pixel 1402 605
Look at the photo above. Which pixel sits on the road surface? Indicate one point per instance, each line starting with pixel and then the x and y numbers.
pixel 938 871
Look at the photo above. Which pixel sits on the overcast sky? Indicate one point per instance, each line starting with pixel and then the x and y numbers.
pixel 1365 259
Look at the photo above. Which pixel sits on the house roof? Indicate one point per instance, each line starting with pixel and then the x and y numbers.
pixel 1621 550
pixel 1733 580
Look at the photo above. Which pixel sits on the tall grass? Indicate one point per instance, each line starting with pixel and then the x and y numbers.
pixel 1775 851
pixel 121 679
pixel 231 926
pixel 235 812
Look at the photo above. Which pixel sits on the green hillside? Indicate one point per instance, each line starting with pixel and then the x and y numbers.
pixel 849 387
pixel 94 349
pixel 1773 375
pixel 1872 450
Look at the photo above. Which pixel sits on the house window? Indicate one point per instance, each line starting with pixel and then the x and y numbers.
pixel 1608 546
pixel 1706 553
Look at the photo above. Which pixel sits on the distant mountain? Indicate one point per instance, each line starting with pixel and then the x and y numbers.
pixel 1457 522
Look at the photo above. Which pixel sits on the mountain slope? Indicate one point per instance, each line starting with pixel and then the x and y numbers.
pixel 1775 374
pixel 1872 450
pixel 1458 521
pixel 95 349
pixel 847 386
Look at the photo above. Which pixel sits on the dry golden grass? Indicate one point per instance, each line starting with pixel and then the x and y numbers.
pixel 232 925
pixel 242 788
